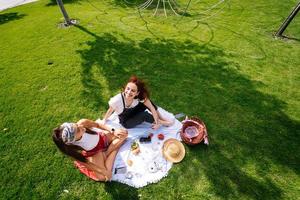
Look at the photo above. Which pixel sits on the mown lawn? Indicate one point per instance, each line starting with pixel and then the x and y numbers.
pixel 222 65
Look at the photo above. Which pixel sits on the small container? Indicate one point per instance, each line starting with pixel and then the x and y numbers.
pixel 151 135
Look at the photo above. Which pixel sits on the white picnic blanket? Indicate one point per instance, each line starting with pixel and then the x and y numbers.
pixel 5 4
pixel 149 166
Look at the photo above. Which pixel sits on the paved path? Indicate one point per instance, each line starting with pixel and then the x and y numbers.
pixel 4 4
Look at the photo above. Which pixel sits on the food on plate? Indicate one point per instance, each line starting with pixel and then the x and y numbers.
pixel 129 162
pixel 134 145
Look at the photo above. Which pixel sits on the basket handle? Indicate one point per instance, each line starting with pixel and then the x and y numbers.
pixel 189 120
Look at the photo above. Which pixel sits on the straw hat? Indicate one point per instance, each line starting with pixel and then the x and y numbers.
pixel 173 150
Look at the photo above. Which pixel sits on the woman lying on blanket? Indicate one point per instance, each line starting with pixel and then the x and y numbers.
pixel 94 150
pixel 131 104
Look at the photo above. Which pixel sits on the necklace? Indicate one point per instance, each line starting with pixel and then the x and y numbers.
pixel 128 104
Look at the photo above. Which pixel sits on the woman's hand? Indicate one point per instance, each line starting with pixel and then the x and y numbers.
pixel 120 133
pixel 100 122
pixel 155 126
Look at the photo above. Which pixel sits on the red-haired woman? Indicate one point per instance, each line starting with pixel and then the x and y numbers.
pixel 96 151
pixel 131 104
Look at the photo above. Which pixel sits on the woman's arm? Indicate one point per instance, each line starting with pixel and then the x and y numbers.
pixel 149 105
pixel 87 123
pixel 108 113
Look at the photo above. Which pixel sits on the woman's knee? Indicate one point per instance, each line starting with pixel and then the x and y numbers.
pixel 125 134
pixel 102 178
pixel 123 139
pixel 118 140
pixel 138 119
pixel 129 124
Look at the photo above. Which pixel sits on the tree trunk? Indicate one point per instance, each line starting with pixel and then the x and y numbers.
pixel 287 21
pixel 64 12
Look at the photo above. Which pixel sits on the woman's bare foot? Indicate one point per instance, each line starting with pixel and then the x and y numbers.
pixel 166 122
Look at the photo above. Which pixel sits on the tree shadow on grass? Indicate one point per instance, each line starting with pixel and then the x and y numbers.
pixel 156 6
pixel 120 191
pixel 248 128
pixel 7 17
pixel 290 38
pixel 129 3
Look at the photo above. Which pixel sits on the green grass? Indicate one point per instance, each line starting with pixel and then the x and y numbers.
pixel 227 69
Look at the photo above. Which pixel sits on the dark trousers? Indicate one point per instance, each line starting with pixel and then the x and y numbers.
pixel 138 119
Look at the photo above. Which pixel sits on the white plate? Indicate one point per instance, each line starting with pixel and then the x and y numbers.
pixel 191 132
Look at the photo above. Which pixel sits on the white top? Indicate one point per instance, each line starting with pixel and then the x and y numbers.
pixel 117 104
pixel 88 141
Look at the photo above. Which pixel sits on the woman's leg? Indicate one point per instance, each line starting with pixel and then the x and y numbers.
pixel 146 117
pixel 97 164
pixel 107 158
pixel 99 174
pixel 109 162
pixel 164 121
pixel 138 119
pixel 114 144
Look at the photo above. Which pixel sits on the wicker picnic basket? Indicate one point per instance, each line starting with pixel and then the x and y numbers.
pixel 193 131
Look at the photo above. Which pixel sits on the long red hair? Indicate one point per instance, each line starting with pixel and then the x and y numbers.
pixel 141 86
